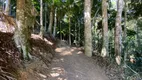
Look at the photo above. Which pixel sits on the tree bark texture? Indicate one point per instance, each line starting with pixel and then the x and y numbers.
pixel 87 28
pixel 125 20
pixel 22 33
pixel 60 30
pixel 41 19
pixel 118 31
pixel 79 40
pixel 55 23
pixel 51 20
pixel 104 51
pixel 125 31
pixel 69 31
pixel 45 23
pixel 7 8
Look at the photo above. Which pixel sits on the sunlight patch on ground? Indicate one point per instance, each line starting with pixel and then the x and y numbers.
pixel 35 36
pixel 66 53
pixel 79 52
pixel 60 49
pixel 39 37
pixel 57 71
pixel 61 79
pixel 63 51
pixel 58 60
pixel 48 42
pixel 42 75
pixel 62 59
pixel 72 50
pixel 54 74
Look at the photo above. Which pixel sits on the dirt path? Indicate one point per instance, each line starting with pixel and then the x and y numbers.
pixel 71 64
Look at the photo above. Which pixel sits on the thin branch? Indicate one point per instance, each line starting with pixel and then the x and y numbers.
pixel 134 71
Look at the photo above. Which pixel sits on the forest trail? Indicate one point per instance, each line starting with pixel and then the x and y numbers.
pixel 71 64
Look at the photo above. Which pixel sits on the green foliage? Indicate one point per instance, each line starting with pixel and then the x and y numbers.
pixel 111 18
pixel 54 2
pixel 36 4
pixel 74 9
pixel 139 23
pixel 135 8
pixel 131 32
pixel 132 47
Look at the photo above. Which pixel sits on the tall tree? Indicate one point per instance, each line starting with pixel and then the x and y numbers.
pixel 45 14
pixel 104 51
pixel 41 18
pixel 75 34
pixel 125 19
pixel 69 30
pixel 7 7
pixel 118 31
pixel 51 20
pixel 79 32
pixel 55 22
pixel 125 30
pixel 22 34
pixel 87 29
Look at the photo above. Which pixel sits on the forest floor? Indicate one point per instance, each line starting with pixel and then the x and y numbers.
pixel 71 64
pixel 65 63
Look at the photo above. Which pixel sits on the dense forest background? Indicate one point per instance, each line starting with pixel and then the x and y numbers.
pixel 111 29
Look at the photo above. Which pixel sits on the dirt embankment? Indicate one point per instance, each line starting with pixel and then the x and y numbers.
pixel 69 63
pixel 12 67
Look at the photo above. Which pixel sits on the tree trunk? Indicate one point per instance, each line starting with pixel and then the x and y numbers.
pixel 118 31
pixel 79 40
pixel 60 31
pixel 55 23
pixel 125 22
pixel 138 42
pixel 45 17
pixel 7 8
pixel 41 19
pixel 87 29
pixel 22 34
pixel 125 31
pixel 104 51
pixel 75 35
pixel 3 5
pixel 51 20
pixel 69 31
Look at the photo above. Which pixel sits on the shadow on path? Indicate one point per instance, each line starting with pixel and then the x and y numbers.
pixel 72 64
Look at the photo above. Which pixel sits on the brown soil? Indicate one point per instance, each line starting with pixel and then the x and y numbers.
pixel 42 53
pixel 13 68
pixel 71 64
pixel 112 70
pixel 9 57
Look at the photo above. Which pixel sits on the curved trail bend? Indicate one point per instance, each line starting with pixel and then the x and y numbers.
pixel 70 64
